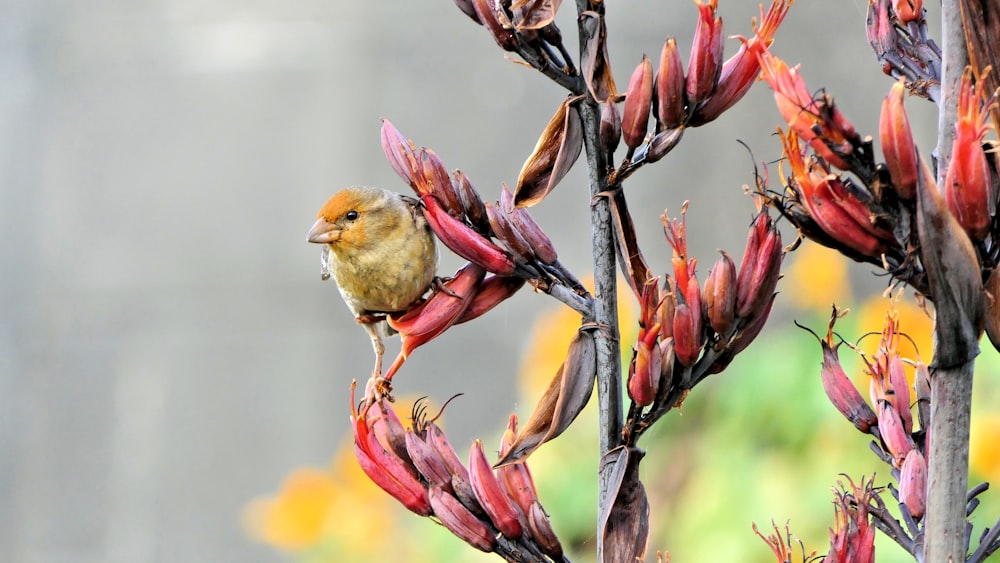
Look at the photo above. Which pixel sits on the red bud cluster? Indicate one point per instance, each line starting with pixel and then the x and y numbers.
pixel 891 420
pixel 684 324
pixel 852 539
pixel 833 210
pixel 710 86
pixel 420 468
pixel 498 239
pixel 816 120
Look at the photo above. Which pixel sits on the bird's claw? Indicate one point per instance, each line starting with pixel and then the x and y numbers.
pixel 369 318
pixel 438 284
pixel 377 389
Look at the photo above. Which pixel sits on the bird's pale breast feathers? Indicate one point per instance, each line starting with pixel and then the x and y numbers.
pixel 382 253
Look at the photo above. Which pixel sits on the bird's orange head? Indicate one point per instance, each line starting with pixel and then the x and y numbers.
pixel 351 216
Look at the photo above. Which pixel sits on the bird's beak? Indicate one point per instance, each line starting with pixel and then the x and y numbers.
pixel 323 232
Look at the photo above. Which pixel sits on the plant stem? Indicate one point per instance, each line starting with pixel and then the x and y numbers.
pixel 605 288
pixel 609 386
pixel 948 464
pixel 951 385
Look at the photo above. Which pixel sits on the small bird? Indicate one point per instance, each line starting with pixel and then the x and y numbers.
pixel 381 252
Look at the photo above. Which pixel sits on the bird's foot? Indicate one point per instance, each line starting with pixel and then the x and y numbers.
pixel 377 389
pixel 369 318
pixel 438 283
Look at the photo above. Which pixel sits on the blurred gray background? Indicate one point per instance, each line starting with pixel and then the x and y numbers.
pixel 167 349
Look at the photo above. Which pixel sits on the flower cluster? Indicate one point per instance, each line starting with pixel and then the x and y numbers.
pixel 840 196
pixel 889 419
pixel 491 510
pixel 897 32
pixel 504 245
pixel 687 330
pixel 852 539
pixel 676 99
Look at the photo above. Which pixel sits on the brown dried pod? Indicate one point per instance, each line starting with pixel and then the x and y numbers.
pixel 555 153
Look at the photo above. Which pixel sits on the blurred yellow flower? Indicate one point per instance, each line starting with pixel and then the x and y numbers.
pixel 816 278
pixel 984 456
pixel 913 322
pixel 295 518
pixel 309 509
pixel 553 331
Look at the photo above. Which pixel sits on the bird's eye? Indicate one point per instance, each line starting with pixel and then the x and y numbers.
pixel 351 215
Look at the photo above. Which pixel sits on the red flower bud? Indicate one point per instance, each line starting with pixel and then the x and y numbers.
pixel 400 153
pixel 498 506
pixel 897 143
pixel 897 441
pixel 705 62
pixel 688 337
pixel 913 484
pixel 760 267
pixel 464 240
pixel 439 312
pixel 460 521
pixel 611 126
pixel 644 372
pixel 839 389
pixel 968 186
pixel 472 203
pixel 900 397
pixel 719 295
pixel 542 532
pixel 638 100
pixel 662 143
pixel 391 473
pixel 665 313
pixel 741 70
pixel 670 87
pixel 493 18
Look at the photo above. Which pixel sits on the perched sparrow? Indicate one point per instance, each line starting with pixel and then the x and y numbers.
pixel 380 250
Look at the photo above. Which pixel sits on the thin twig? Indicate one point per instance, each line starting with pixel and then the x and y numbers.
pixel 989 543
pixel 890 526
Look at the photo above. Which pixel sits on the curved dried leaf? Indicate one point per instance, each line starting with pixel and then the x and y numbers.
pixel 594 63
pixel 468 9
pixel 611 127
pixel 630 257
pixel 953 275
pixel 536 14
pixel 555 153
pixel 624 524
pixel 566 396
